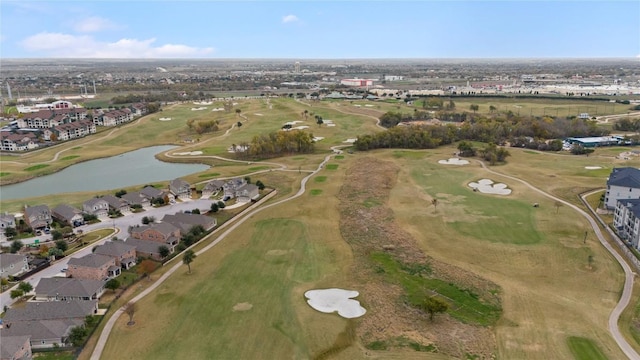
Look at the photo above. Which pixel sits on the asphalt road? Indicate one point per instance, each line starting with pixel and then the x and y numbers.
pixel 121 224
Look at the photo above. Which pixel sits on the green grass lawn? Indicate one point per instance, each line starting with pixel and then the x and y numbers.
pixel 585 349
pixel 203 303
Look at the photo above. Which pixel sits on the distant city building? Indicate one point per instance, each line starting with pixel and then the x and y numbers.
pixel 56 105
pixel 393 78
pixel 356 82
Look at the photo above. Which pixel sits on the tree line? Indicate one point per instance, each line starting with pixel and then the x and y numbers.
pixel 276 144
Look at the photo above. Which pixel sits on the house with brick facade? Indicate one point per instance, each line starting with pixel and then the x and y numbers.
pixel 185 221
pixel 124 254
pixel 93 267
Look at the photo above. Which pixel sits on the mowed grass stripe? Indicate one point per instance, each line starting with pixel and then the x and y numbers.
pixel 197 318
pixel 584 349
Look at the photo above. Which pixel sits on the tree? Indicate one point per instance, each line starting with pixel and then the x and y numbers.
pixel 145 220
pixel 77 335
pixel 492 108
pixel 164 251
pixel 221 204
pixel 466 149
pixel 188 258
pixel 557 204
pixel 54 251
pixel 146 267
pixel 112 284
pixel 16 245
pixel 238 124
pixel 130 309
pixel 214 207
pixel 16 293
pixel 434 202
pixel 62 245
pixel 260 185
pixel 319 120
pixel 433 305
pixel 474 108
pixel 195 211
pixel 56 235
pixel 10 232
pixel 589 260
pixel 25 287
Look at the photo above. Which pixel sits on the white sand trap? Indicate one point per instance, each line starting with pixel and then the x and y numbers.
pixel 189 153
pixel 332 300
pixel 293 122
pixel 351 141
pixel 198 109
pixel 234 104
pixel 165 119
pixel 242 306
pixel 487 186
pixel 593 167
pixel 256 114
pixel 202 103
pixel 356 105
pixel 317 138
pixel 454 161
pixel 217 109
pixel 331 125
pixel 369 105
pixel 300 127
pixel 327 121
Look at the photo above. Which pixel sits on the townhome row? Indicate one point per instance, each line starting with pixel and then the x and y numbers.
pixel 623 197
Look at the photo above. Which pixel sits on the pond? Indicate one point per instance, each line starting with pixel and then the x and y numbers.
pixel 137 167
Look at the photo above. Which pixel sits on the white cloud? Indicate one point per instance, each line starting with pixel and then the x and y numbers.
pixel 84 46
pixel 94 24
pixel 289 19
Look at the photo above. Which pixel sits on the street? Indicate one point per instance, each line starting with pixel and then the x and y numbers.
pixel 121 224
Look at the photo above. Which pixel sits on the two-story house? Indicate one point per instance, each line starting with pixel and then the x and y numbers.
pixel 247 192
pixel 13 265
pixel 18 141
pixel 96 206
pixel 7 221
pixel 212 187
pixel 38 217
pixel 137 198
pixel 123 253
pixel 180 189
pixel 148 238
pixel 623 184
pixel 185 222
pixel 116 203
pixel 68 215
pixel 93 267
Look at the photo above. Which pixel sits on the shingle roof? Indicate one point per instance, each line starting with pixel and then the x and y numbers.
pixel 187 221
pixel 93 201
pixel 151 192
pixel 91 260
pixel 633 205
pixel 43 329
pixel 68 287
pixel 37 209
pixel 113 248
pixel 8 259
pixel 65 211
pixel 625 177
pixel 11 345
pixel 51 310
pixel 145 246
pixel 134 197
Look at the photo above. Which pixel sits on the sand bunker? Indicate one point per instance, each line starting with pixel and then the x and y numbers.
pixel 165 119
pixel 332 300
pixel 202 103
pixel 300 127
pixel 351 141
pixel 242 307
pixel 293 122
pixel 454 161
pixel 189 153
pixel 317 138
pixel 593 167
pixel 487 186
pixel 217 109
pixel 256 114
pixel 199 108
pixel 331 125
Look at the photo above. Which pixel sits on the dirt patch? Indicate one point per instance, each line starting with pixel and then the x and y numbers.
pixel 242 306
pixel 277 252
pixel 373 229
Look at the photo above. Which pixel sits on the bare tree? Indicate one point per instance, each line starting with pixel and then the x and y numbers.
pixel 434 202
pixel 130 309
pixel 557 204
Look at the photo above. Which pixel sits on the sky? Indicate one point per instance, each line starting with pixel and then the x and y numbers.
pixel 308 29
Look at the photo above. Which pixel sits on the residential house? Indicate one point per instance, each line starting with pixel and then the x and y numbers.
pixel 117 204
pixel 147 248
pixel 66 289
pixel 124 254
pixel 7 221
pixel 93 267
pixel 18 141
pixel 68 215
pixel 96 206
pixel 185 221
pixel 212 187
pixel 137 198
pixel 161 234
pixel 180 189
pixel 48 118
pixel 152 193
pixel 623 183
pixel 231 186
pixel 13 265
pixel 38 217
pixel 47 323
pixel 15 347
pixel 138 109
pixel 247 192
